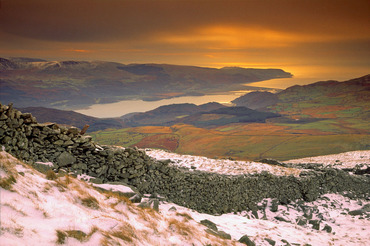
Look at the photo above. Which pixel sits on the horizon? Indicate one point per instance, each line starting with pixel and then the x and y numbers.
pixel 313 40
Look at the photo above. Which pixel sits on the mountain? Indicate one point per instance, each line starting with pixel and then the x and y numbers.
pixel 75 84
pixel 323 99
pixel 317 119
pixel 256 100
pixel 225 116
pixel 166 115
pixel 72 118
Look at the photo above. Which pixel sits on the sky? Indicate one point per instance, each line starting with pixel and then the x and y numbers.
pixel 328 39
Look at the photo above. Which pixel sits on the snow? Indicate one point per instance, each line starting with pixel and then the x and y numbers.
pixel 221 166
pixel 349 159
pixel 35 208
pixel 50 164
pixel 115 188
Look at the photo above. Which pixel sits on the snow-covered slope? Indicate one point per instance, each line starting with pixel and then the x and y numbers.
pixel 64 210
pixel 349 159
pixel 222 166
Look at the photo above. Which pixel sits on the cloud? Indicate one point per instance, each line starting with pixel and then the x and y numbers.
pixel 264 33
pixel 109 20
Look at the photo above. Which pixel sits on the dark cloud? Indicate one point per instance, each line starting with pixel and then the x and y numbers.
pixel 97 20
pixel 298 35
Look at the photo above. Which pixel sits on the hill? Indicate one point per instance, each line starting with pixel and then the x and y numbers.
pixel 164 115
pixel 225 116
pixel 256 100
pixel 75 84
pixel 71 190
pixel 50 209
pixel 324 99
pixel 320 118
pixel 72 118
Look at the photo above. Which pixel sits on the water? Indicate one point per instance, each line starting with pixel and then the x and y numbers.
pixel 121 108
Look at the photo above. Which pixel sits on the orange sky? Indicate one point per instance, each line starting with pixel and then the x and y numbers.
pixel 324 39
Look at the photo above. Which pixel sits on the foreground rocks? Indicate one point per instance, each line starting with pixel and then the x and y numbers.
pixel 51 146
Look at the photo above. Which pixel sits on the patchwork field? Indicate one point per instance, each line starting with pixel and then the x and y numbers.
pixel 249 141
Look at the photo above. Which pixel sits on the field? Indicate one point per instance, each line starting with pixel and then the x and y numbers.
pixel 248 141
pixel 316 119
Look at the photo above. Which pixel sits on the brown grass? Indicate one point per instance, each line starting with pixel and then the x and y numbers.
pixel 77 234
pixel 90 202
pixel 51 175
pixel 180 227
pixel 185 215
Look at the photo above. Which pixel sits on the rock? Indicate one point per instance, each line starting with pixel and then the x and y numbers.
pixel 327 228
pixel 96 181
pixel 315 224
pixel 274 205
pixel 356 212
pixel 246 240
pixel 43 167
pixel 270 241
pixel 366 208
pixel 144 205
pixel 136 198
pixel 301 221
pixel 209 224
pixel 65 159
pixel 286 242
pixel 224 235
pixel 279 218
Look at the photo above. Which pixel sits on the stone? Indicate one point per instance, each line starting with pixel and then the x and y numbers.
pixel 280 218
pixel 301 221
pixel 224 235
pixel 315 224
pixel 246 240
pixel 270 241
pixel 286 242
pixel 356 212
pixel 209 224
pixel 135 198
pixel 274 205
pixel 327 228
pixel 65 159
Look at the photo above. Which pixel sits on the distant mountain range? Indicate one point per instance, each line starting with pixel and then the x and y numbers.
pixel 76 84
pixel 324 99
pixel 318 100
pixel 316 119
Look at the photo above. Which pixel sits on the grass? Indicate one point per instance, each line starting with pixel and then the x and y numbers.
pixel 7 183
pixel 180 227
pixel 185 215
pixel 90 202
pixel 77 234
pixel 51 175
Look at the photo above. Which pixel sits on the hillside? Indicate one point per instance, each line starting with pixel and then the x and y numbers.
pixel 225 116
pixel 164 115
pixel 256 100
pixel 206 115
pixel 50 209
pixel 72 118
pixel 76 84
pixel 85 193
pixel 324 99
pixel 316 119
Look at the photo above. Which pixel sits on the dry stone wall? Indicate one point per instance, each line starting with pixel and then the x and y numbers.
pixel 66 148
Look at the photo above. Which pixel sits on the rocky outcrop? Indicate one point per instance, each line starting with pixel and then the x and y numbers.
pixel 62 148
